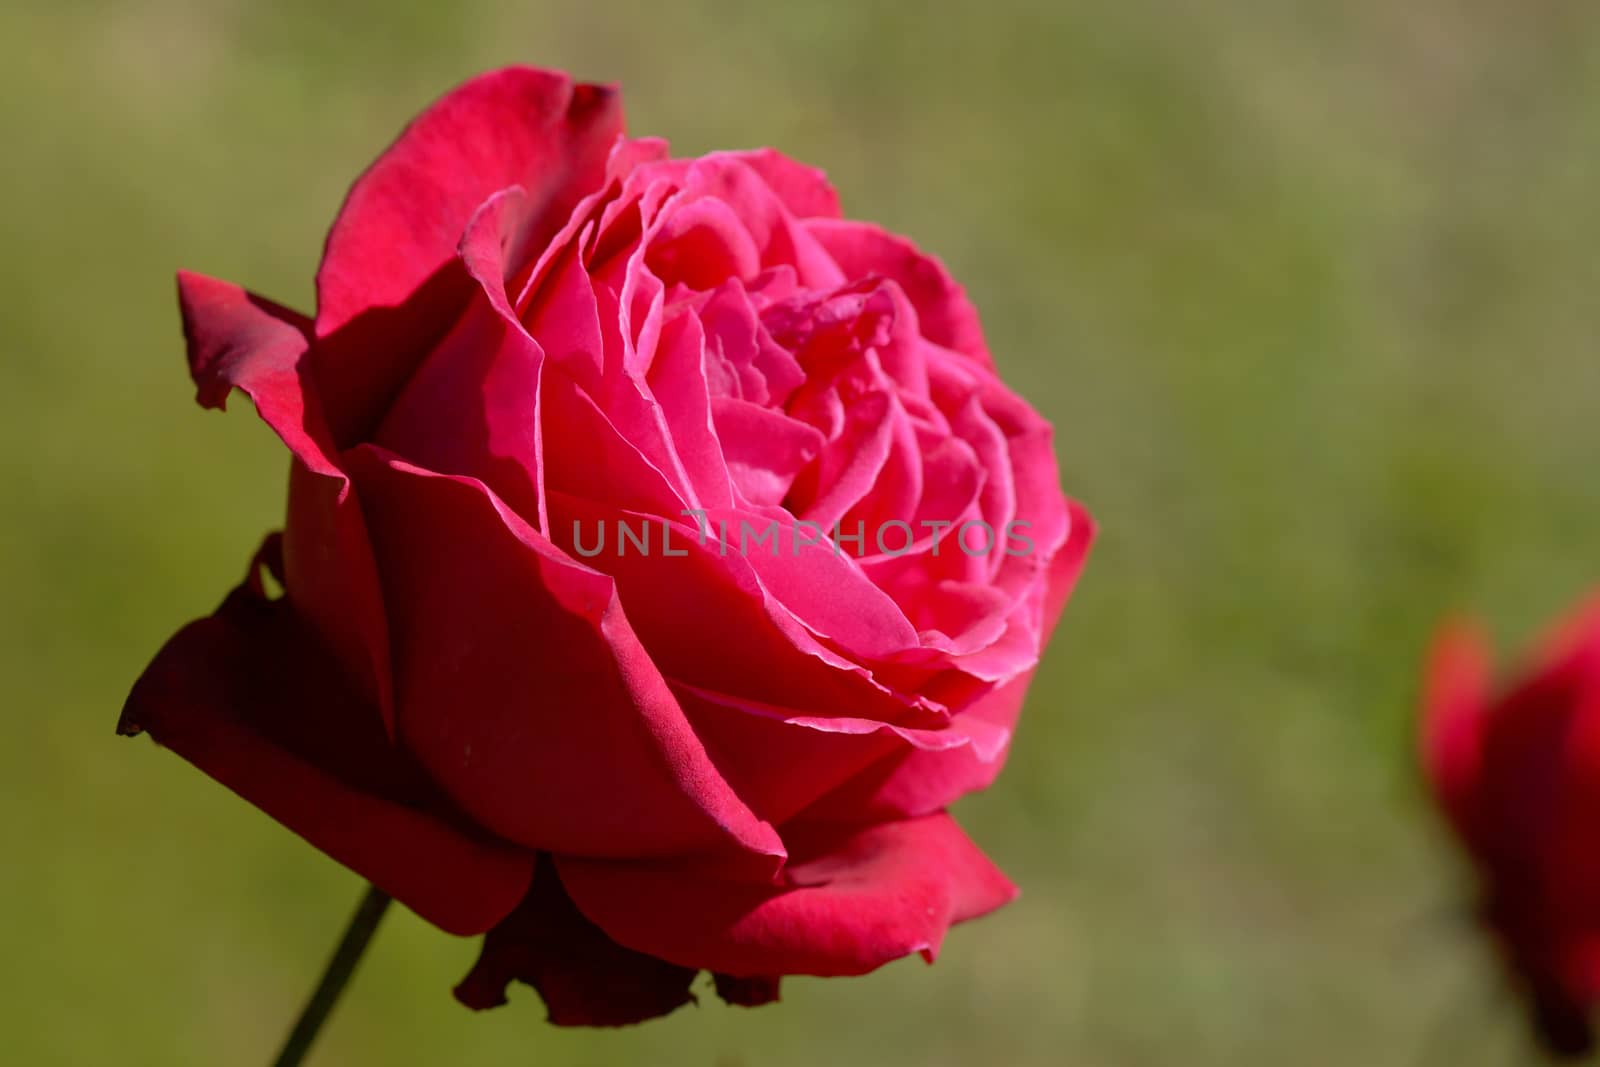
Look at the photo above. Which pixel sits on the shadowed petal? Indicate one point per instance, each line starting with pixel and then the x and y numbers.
pixel 584 977
pixel 389 279
pixel 250 697
pixel 523 689
pixel 239 341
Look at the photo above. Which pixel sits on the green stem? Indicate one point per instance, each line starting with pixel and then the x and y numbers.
pixel 362 925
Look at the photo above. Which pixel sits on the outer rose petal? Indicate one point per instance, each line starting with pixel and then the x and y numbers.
pixel 396 235
pixel 584 977
pixel 237 340
pixel 522 689
pixel 857 899
pixel 249 697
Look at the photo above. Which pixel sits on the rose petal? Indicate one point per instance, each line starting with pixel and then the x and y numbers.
pixel 918 781
pixel 777 763
pixel 850 463
pixel 394 241
pixel 608 464
pixel 804 190
pixel 473 407
pixel 250 697
pixel 236 339
pixel 779 238
pixel 764 448
pixel 584 977
pixel 701 244
pixel 864 250
pixel 705 617
pixel 404 216
pixel 239 341
pixel 521 687
pixel 818 582
pixel 677 381
pixel 857 899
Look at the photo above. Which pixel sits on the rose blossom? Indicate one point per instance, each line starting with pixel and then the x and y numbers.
pixel 1517 772
pixel 624 767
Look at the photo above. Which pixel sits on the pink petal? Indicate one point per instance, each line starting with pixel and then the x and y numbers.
pixel 918 781
pixel 764 448
pixel 818 582
pixel 864 250
pixel 777 237
pixel 677 381
pixel 804 190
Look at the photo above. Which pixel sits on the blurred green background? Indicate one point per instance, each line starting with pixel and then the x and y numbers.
pixel 1308 288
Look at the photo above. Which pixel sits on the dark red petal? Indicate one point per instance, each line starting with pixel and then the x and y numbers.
pixel 250 697
pixel 584 977
pixel 395 239
pixel 331 578
pixel 857 898
pixel 239 341
pixel 747 992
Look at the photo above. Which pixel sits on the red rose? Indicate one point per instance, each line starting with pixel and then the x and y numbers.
pixel 1518 776
pixel 724 739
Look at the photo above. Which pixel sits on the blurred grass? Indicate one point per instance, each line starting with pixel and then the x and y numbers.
pixel 1308 289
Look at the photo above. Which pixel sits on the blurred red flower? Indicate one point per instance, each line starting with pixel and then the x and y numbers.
pixel 1516 770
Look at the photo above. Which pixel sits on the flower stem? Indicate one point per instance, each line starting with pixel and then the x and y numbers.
pixel 362 926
